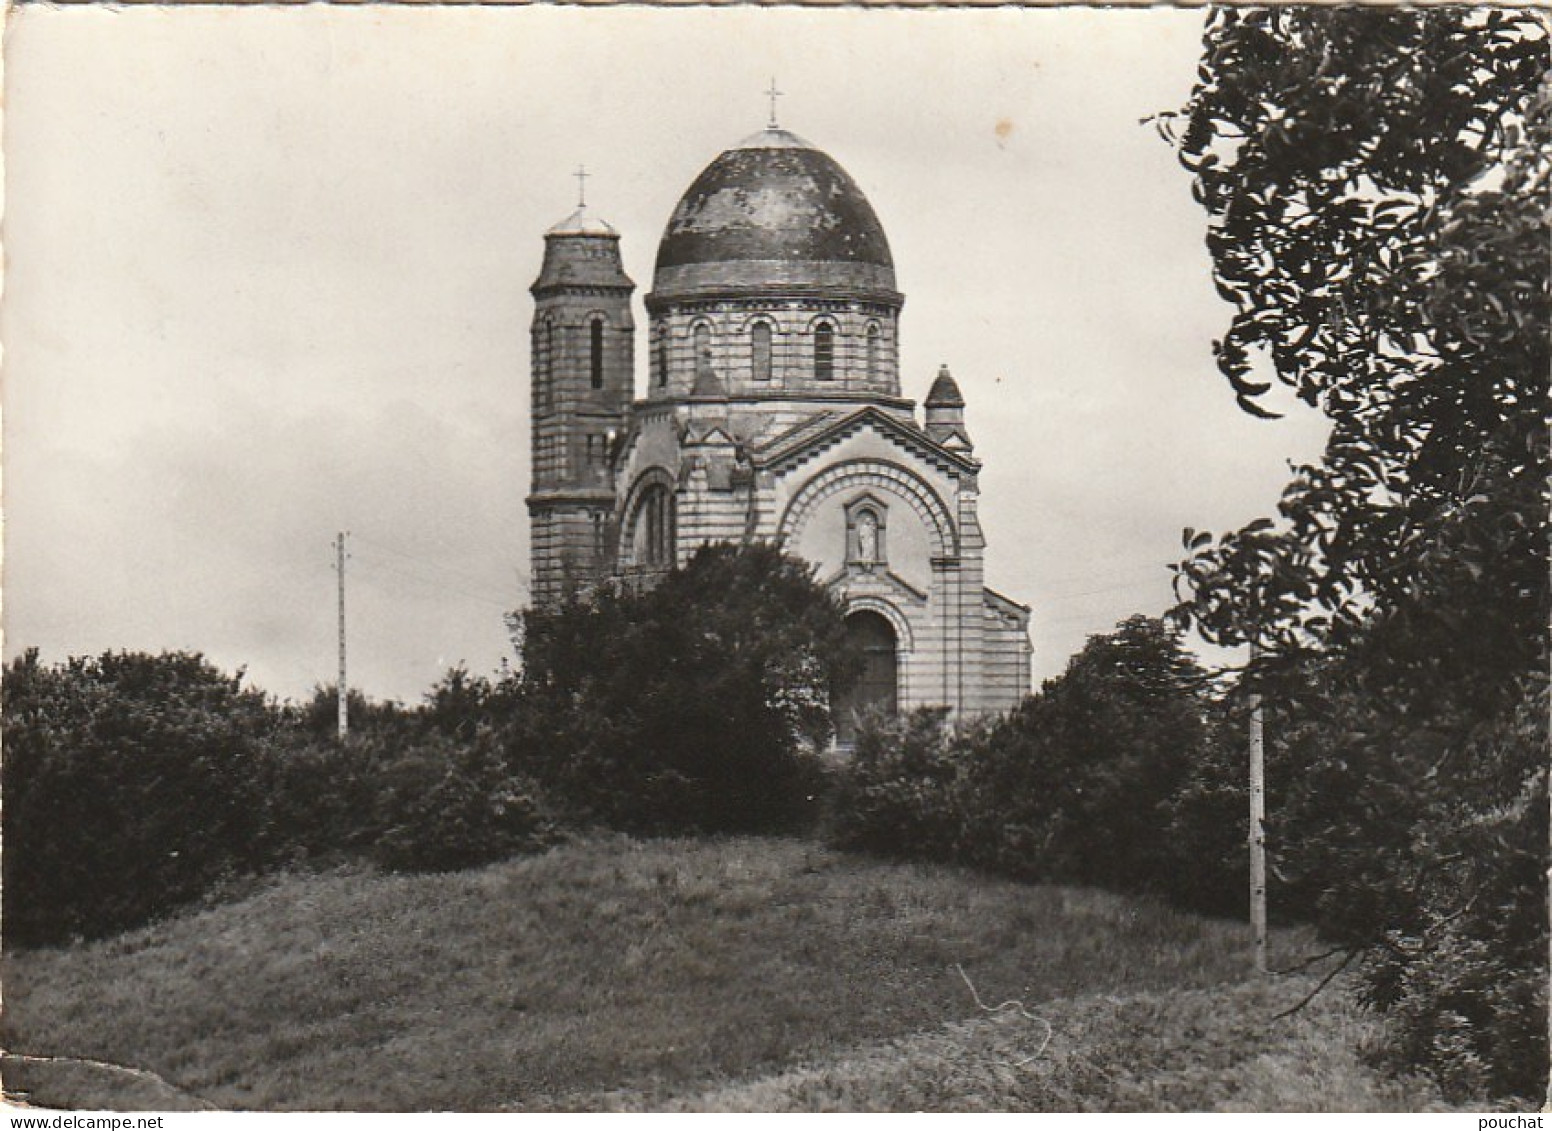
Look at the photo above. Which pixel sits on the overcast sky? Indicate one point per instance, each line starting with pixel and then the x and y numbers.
pixel 267 276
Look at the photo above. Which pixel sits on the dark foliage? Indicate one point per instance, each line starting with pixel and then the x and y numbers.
pixel 136 785
pixel 1420 845
pixel 320 798
pixel 1377 184
pixel 698 703
pixel 449 803
pixel 1463 971
pixel 432 788
pixel 130 789
pixel 460 704
pixel 1080 778
pixel 904 789
pixel 318 716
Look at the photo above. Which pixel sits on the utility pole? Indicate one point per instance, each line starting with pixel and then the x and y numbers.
pixel 344 714
pixel 1257 826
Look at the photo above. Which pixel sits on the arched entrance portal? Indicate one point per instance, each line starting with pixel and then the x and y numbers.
pixel 879 686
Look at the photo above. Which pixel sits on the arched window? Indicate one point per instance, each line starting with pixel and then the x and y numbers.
pixel 653 537
pixel 873 337
pixel 600 537
pixel 702 347
pixel 824 352
pixel 596 352
pixel 760 350
pixel 544 366
pixel 662 356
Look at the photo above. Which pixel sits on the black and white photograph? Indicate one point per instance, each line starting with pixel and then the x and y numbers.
pixel 757 559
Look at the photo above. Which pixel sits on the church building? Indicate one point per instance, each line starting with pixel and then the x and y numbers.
pixel 772 410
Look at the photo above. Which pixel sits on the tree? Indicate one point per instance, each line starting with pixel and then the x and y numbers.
pixel 1081 777
pixel 1377 184
pixel 689 704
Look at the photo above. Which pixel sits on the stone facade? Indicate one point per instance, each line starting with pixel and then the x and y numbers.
pixel 772 410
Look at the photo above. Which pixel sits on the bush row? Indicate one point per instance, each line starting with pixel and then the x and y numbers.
pixel 135 784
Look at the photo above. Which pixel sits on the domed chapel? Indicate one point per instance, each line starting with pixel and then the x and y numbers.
pixel 773 410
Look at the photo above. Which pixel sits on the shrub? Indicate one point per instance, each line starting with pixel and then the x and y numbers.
pixel 320 797
pixel 902 791
pixel 131 787
pixel 431 788
pixel 1207 821
pixel 446 804
pixel 317 717
pixel 459 703
pixel 135 785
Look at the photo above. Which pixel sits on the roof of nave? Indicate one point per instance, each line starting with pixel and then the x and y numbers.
pixel 826 428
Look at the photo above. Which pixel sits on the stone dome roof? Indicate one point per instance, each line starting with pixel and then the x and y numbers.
pixel 773 212
pixel 582 223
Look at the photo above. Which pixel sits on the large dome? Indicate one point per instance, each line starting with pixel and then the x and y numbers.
pixel 773 213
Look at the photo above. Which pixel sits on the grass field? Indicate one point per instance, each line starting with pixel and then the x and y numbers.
pixel 740 974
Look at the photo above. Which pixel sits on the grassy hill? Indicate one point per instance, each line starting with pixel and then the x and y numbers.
pixel 736 974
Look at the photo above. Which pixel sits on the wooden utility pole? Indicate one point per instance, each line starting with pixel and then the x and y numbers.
pixel 344 714
pixel 1257 827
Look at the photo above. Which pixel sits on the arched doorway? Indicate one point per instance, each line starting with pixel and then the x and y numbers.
pixel 879 686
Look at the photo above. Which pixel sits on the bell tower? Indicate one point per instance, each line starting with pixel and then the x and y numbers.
pixel 583 364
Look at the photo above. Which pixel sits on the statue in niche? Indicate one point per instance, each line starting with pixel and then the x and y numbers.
pixel 867 538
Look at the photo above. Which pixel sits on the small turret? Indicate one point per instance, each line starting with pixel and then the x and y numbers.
pixel 945 407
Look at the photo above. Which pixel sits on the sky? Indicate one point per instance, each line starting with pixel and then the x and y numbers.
pixel 267 277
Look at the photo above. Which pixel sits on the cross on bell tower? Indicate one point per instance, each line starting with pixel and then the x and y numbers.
pixel 773 94
pixel 581 175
